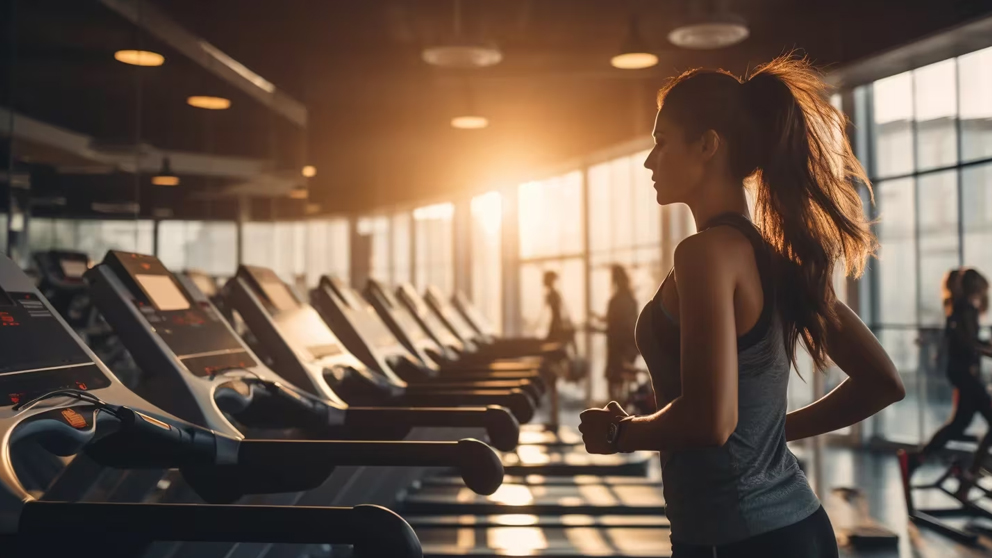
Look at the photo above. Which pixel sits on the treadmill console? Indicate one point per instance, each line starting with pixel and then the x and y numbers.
pixel 296 321
pixel 33 340
pixel 192 329
pixel 445 336
pixel 403 316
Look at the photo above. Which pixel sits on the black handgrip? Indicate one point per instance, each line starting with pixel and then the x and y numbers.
pixel 501 426
pixel 142 441
pixel 373 530
pixel 518 402
pixel 452 384
pixel 267 466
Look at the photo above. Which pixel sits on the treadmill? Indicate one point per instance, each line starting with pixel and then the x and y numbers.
pixel 305 351
pixel 486 346
pixel 198 369
pixel 365 335
pixel 416 338
pixel 58 396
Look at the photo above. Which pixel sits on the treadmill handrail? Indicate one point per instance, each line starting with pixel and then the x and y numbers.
pixel 303 464
pixel 373 530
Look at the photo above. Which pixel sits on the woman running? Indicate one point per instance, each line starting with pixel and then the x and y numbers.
pixel 721 334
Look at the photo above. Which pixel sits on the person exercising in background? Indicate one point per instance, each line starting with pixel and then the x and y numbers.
pixel 966 298
pixel 560 329
pixel 621 349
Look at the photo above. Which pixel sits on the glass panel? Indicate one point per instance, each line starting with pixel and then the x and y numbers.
pixel 328 250
pixel 647 213
pixel 975 81
pixel 378 228
pixel 434 262
pixel 903 421
pixel 487 256
pixel 550 216
pixel 976 192
pixel 895 268
pixel 935 100
pixel 97 237
pixel 401 248
pixel 258 244
pixel 893 130
pixel 3 234
pixel 938 236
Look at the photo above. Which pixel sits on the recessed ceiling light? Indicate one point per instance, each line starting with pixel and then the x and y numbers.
pixel 309 171
pixel 462 56
pixel 634 60
pixel 469 122
pixel 209 103
pixel 139 57
pixel 711 33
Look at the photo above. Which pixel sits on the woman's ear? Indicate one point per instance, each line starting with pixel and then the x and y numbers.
pixel 709 143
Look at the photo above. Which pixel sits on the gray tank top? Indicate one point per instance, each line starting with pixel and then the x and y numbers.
pixel 752 484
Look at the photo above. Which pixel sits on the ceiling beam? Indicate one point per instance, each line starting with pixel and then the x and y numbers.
pixel 146 16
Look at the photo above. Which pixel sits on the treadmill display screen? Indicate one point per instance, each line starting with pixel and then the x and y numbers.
pixel 163 292
pixel 31 338
pixel 73 269
pixel 205 284
pixel 278 294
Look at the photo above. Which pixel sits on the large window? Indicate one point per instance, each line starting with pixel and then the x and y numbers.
pixel 401 248
pixel 434 247
pixel 377 229
pixel 93 237
pixel 487 256
pixel 624 229
pixel 931 149
pixel 328 250
pixel 207 246
pixel 551 233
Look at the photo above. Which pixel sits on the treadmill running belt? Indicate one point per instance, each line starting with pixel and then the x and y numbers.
pixel 531 540
pixel 588 499
pixel 529 460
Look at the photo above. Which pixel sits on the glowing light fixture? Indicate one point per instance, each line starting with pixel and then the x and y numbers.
pixel 165 177
pixel 469 122
pixel 708 27
pixel 299 193
pixel 461 53
pixel 139 57
pixel 634 54
pixel 309 171
pixel 209 103
pixel 634 60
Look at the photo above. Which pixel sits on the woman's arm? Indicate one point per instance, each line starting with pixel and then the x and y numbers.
pixel 872 384
pixel 706 412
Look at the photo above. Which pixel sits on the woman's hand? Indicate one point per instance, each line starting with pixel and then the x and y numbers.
pixel 595 425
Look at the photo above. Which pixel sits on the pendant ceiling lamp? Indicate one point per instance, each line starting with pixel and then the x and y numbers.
pixel 461 52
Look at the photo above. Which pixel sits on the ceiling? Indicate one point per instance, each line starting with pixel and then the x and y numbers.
pixel 378 129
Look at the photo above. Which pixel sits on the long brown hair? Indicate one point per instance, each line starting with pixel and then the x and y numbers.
pixel 786 142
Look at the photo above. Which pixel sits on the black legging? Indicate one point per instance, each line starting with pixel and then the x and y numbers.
pixel 812 537
pixel 972 397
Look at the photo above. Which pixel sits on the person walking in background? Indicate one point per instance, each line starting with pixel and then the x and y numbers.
pixel 621 349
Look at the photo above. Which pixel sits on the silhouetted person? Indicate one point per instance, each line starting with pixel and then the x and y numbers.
pixel 560 329
pixel 966 298
pixel 621 349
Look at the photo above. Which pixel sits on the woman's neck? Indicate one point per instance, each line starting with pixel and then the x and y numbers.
pixel 717 200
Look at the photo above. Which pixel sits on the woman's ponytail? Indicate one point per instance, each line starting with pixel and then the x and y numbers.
pixel 787 144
